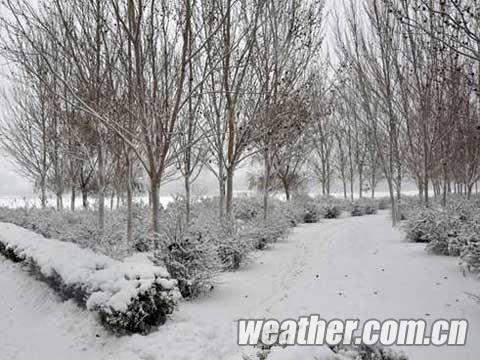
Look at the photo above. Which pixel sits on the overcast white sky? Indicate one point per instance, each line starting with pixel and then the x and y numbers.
pixel 12 184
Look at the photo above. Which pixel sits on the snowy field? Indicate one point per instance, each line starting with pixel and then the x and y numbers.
pixel 344 268
pixel 31 201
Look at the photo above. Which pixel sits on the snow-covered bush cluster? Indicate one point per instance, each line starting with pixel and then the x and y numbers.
pixel 384 203
pixel 80 227
pixel 189 255
pixel 192 251
pixel 453 230
pixel 331 211
pixel 408 207
pixel 195 252
pixel 364 207
pixel 440 229
pixel 309 208
pixel 128 297
pixel 247 208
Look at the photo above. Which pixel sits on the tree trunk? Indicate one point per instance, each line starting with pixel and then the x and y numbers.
pixel 73 198
pixel 420 191
pixel 154 193
pixel 425 191
pixel 229 200
pixel 373 181
pixel 221 199
pixel 59 201
pixel 129 189
pixel 360 184
pixel 352 189
pixel 287 191
pixel 85 198
pixel 187 198
pixel 266 180
pixel 43 196
pixel 445 184
pixel 329 176
pixel 101 188
pixel 394 208
pixel 112 200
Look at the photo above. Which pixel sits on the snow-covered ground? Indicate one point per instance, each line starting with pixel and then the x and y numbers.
pixel 344 268
pixel 30 201
pixel 34 201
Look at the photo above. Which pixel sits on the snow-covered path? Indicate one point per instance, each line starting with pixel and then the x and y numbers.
pixel 344 268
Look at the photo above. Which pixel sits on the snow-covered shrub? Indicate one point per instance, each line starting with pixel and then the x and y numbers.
pixel 289 211
pixel 443 235
pixel 310 208
pixel 341 203
pixel 383 203
pixel 263 233
pixel 80 227
pixel 409 206
pixel 465 210
pixel 234 250
pixel 247 208
pixel 470 252
pixel 357 210
pixel 188 252
pixel 128 297
pixel 471 256
pixel 419 228
pixel 365 206
pixel 370 209
pixel 444 231
pixel 233 247
pixel 456 244
pixel 195 252
pixel 331 211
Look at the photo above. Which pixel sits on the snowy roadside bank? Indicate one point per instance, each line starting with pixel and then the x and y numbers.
pixel 349 267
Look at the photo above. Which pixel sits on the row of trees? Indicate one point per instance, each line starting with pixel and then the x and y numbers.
pixel 403 102
pixel 411 81
pixel 113 94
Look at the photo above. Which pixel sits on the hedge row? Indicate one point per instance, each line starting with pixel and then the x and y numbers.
pixel 192 253
pixel 452 231
pixel 128 297
pixel 80 227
